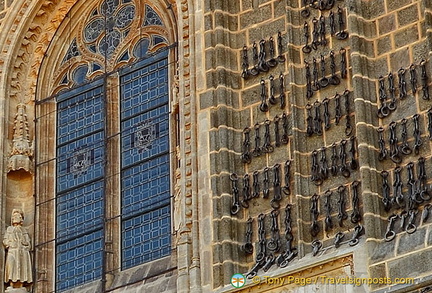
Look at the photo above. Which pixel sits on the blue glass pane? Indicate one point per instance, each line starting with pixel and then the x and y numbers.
pixel 145 136
pixel 146 237
pixel 146 186
pixel 151 17
pixel 71 52
pixel 141 48
pixel 79 260
pixel 80 210
pixel 80 115
pixel 80 161
pixel 144 89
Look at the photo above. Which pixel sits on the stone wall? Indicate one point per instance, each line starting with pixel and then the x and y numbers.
pixel 384 36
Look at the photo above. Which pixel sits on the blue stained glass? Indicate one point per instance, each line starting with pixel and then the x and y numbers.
pixel 151 17
pixel 153 126
pixel 158 40
pixel 80 74
pixel 145 164
pixel 145 88
pixel 80 115
pixel 141 48
pixel 80 210
pixel 146 237
pixel 79 260
pixel 146 186
pixel 70 154
pixel 93 29
pixel 71 52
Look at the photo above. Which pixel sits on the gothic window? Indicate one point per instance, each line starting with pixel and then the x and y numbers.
pixel 111 94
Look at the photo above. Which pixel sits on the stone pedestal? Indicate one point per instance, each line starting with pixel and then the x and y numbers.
pixel 16 290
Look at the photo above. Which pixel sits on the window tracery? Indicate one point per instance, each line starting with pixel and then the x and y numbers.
pixel 116 55
pixel 115 33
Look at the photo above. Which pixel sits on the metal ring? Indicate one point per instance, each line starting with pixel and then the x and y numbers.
pixel 334 80
pixel 263 107
pixel 392 106
pixel 248 248
pixel 274 204
pixel 410 228
pixel 307 49
pixel 316 244
pixel 342 35
pixel 405 149
pixel 389 235
pixel 235 209
pixel 396 159
pixel 305 13
pixel 384 110
pixel 254 70
pixel 272 245
pixel 324 82
pixel 348 130
pixel 272 62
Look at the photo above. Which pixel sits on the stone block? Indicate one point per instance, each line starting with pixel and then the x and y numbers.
pixel 377 271
pixel 408 15
pixel 208 22
pixel 363 27
pixel 224 161
pixel 226 21
pixel 411 242
pixel 224 116
pixel 387 24
pixel 419 263
pixel 252 95
pixel 223 138
pixel 373 9
pixel 406 36
pixel 225 229
pixel 221 57
pixel 382 251
pixel 294 39
pixel 246 5
pixel 232 7
pixel 222 76
pixel 377 67
pixel 265 30
pixel 253 17
pixel 363 46
pixel 219 96
pixel 217 275
pixel 396 4
pixel 399 59
pixel 279 8
pixel 420 51
pixel 222 36
pixel 384 45
pixel 222 205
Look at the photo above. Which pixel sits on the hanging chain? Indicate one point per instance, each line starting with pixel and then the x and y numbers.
pixel 314 229
pixel 235 207
pixel 246 155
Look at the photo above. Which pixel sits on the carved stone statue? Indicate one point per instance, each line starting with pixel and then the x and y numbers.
pixel 22 148
pixel 18 268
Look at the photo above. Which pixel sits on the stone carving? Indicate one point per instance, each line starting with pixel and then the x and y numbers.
pixel 22 149
pixel 18 268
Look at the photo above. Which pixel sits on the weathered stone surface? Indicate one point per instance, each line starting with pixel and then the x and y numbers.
pixel 419 263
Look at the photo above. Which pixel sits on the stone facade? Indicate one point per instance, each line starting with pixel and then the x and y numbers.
pixel 219 91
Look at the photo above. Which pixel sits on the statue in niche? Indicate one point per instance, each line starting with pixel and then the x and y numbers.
pixel 18 268
pixel 22 148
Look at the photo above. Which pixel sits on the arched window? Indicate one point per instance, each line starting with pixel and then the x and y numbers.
pixel 112 140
